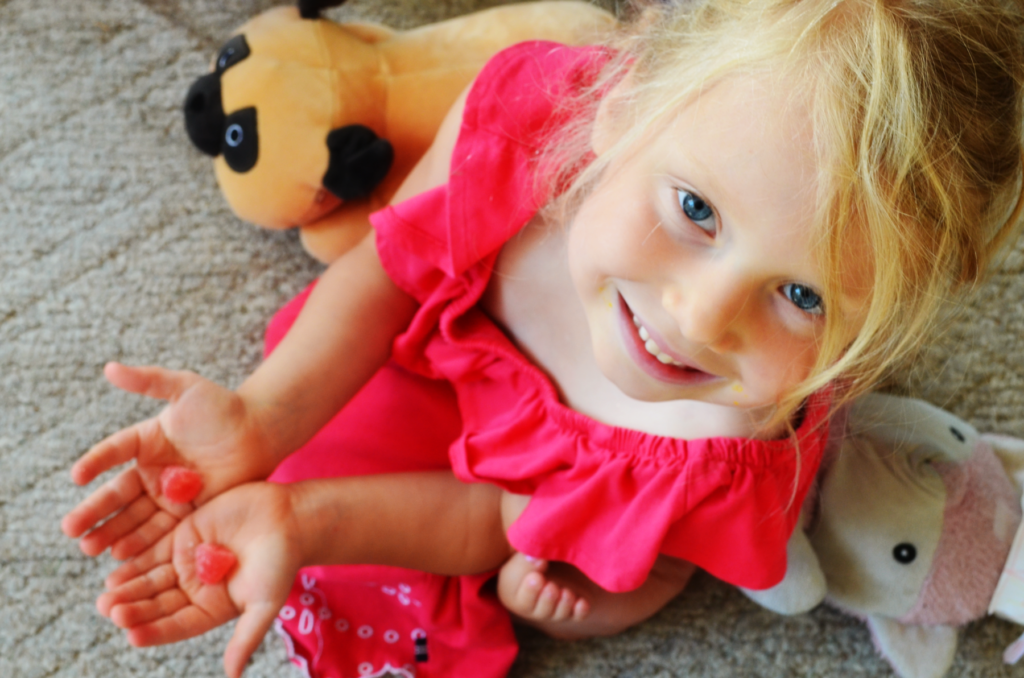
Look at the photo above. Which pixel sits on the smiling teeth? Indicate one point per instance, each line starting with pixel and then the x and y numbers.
pixel 652 346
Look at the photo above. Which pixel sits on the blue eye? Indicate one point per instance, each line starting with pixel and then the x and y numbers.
pixel 804 298
pixel 697 211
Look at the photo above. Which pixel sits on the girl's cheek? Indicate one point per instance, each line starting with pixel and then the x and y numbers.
pixel 802 364
pixel 781 367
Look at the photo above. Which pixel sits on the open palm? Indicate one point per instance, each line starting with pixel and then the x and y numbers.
pixel 205 427
pixel 158 597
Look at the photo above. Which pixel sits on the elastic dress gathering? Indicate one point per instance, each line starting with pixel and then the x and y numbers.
pixel 459 395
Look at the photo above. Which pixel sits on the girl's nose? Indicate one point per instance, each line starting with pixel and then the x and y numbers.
pixel 708 310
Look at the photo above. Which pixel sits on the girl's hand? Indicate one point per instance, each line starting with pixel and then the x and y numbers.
pixel 205 427
pixel 158 597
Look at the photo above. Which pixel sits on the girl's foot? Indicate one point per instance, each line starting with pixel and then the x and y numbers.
pixel 526 589
pixel 561 601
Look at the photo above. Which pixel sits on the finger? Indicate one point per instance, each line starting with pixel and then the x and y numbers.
pixel 249 633
pixel 111 497
pixel 166 604
pixel 114 450
pixel 146 586
pixel 134 515
pixel 151 381
pixel 133 543
pixel 186 623
pixel 155 556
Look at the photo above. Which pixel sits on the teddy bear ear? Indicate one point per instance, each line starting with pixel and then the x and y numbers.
pixel 310 9
pixel 359 161
pixel 914 651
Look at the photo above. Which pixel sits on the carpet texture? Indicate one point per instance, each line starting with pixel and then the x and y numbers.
pixel 117 245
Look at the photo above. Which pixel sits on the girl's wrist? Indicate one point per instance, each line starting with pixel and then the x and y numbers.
pixel 316 523
pixel 261 416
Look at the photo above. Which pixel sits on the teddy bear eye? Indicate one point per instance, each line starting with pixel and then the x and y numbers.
pixel 904 553
pixel 234 50
pixel 240 143
pixel 234 135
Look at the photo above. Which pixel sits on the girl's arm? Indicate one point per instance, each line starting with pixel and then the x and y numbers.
pixel 344 333
pixel 426 521
pixel 342 336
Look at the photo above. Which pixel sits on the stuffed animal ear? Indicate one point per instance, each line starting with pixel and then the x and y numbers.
pixel 919 430
pixel 359 161
pixel 310 9
pixel 804 585
pixel 1010 452
pixel 204 114
pixel 914 651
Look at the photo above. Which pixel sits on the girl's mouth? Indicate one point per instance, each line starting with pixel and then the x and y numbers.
pixel 650 357
pixel 652 346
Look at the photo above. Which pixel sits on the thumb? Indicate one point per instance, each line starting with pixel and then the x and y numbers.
pixel 151 381
pixel 249 631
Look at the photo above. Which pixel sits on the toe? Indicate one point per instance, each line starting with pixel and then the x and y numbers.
pixel 581 610
pixel 538 564
pixel 564 608
pixel 547 602
pixel 529 593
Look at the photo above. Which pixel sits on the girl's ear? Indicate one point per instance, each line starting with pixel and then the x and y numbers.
pixel 611 121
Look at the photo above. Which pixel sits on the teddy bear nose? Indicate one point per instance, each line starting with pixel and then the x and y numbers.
pixel 204 114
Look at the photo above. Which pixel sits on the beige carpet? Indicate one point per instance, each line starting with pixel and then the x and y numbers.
pixel 115 244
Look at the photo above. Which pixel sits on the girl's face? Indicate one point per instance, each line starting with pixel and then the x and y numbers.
pixel 693 255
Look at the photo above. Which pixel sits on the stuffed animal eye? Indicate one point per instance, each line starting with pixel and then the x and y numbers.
pixel 904 553
pixel 234 50
pixel 234 135
pixel 240 143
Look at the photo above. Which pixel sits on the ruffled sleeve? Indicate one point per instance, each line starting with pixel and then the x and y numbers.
pixel 491 191
pixel 442 243
pixel 728 505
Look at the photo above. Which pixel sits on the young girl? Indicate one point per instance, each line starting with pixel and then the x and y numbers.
pixel 620 294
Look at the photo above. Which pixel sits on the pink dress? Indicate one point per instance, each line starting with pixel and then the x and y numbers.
pixel 459 395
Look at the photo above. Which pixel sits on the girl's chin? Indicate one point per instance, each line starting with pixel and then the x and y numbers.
pixel 639 385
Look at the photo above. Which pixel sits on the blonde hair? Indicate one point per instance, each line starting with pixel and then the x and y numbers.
pixel 916 110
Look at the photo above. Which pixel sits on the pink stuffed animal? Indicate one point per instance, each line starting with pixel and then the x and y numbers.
pixel 909 531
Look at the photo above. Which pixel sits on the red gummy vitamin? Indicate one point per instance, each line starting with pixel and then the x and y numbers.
pixel 179 484
pixel 213 562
